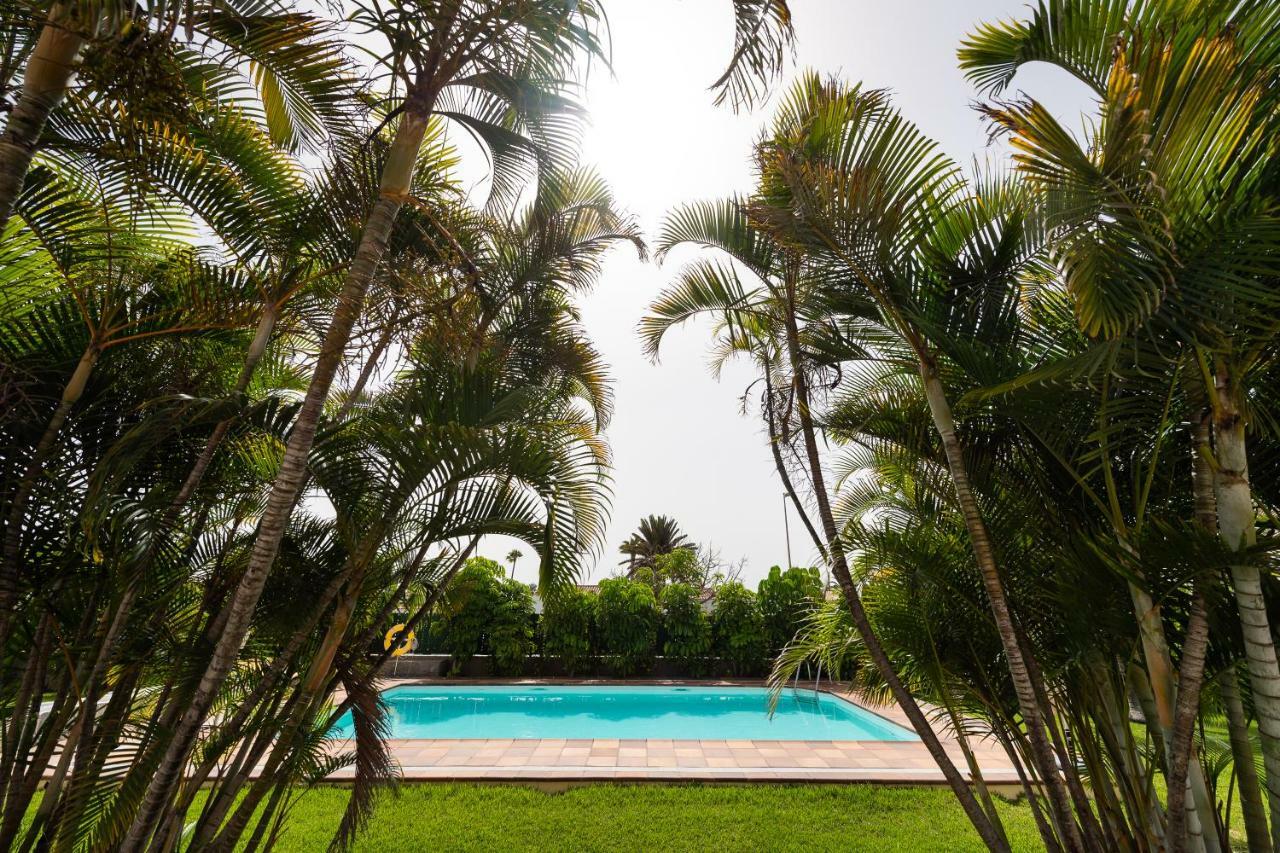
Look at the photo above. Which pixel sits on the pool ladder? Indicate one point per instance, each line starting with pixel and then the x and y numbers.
pixel 817 682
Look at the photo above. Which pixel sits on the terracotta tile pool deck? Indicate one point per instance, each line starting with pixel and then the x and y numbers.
pixel 892 762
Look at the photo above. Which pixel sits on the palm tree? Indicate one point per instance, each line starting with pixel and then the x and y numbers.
pixel 272 62
pixel 786 285
pixel 657 535
pixel 521 449
pixel 530 467
pixel 512 556
pixel 498 70
pixel 115 160
pixel 541 367
pixel 879 208
pixel 150 552
pixel 1162 230
pixel 440 52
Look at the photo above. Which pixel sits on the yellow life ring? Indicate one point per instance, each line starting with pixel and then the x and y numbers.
pixel 406 642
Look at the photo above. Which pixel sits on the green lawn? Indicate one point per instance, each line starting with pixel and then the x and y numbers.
pixel 656 817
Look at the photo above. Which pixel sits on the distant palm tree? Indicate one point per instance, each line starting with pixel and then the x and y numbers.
pixel 658 534
pixel 512 556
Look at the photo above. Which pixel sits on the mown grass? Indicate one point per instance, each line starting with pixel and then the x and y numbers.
pixel 463 817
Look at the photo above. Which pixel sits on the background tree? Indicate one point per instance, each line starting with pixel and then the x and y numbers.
pixel 686 630
pixel 627 619
pixel 786 600
pixel 657 534
pixel 568 628
pixel 469 610
pixel 737 629
pixel 511 632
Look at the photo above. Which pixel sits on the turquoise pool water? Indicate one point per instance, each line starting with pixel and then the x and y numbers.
pixel 693 713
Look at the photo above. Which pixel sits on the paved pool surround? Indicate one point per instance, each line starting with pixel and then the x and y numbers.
pixel 570 760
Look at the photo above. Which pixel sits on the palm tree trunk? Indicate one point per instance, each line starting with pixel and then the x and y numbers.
pixel 1236 526
pixel 1028 789
pixel 271 816
pixel 1058 739
pixel 1191 672
pixel 1141 686
pixel 990 836
pixel 231 778
pixel 781 467
pixel 1251 802
pixel 85 716
pixel 44 85
pixel 1159 692
pixel 1028 703
pixel 20 730
pixel 975 769
pixel 396 179
pixel 268 779
pixel 1191 676
pixel 10 559
pixel 1118 736
pixel 1182 748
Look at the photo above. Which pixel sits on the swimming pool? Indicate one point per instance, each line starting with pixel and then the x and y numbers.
pixel 678 713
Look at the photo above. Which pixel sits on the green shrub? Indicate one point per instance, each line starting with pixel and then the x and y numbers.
pixel 628 621
pixel 568 616
pixel 648 577
pixel 484 611
pixel 786 598
pixel 687 629
pixel 511 627
pixel 467 609
pixel 737 629
pixel 680 566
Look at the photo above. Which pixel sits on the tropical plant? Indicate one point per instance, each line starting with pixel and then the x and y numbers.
pixel 1175 241
pixel 686 630
pixel 137 89
pixel 683 565
pixel 627 619
pixel 786 600
pixel 437 51
pixel 1023 368
pixel 511 629
pixel 469 609
pixel 156 460
pixel 657 535
pixel 882 225
pixel 737 629
pixel 758 297
pixel 568 627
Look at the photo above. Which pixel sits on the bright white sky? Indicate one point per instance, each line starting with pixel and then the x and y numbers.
pixel 681 444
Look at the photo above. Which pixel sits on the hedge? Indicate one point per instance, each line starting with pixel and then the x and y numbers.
pixel 737 629
pixel 628 624
pixel 624 626
pixel 786 601
pixel 568 621
pixel 485 612
pixel 685 627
